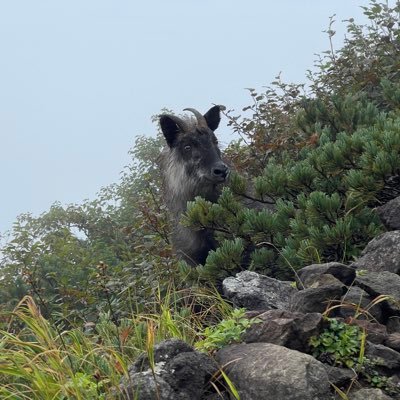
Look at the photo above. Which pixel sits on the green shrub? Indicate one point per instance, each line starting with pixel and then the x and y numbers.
pixel 317 162
pixel 323 205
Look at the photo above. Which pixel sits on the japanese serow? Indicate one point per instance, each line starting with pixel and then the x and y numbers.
pixel 192 166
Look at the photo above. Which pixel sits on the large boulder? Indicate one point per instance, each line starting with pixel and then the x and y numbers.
pixel 340 377
pixel 393 324
pixel 393 341
pixel 357 302
pixel 142 386
pixel 383 356
pixel 263 371
pixel 257 292
pixel 389 214
pixel 308 276
pixel 381 254
pixel 285 328
pixel 382 283
pixel 377 333
pixel 179 373
pixel 315 300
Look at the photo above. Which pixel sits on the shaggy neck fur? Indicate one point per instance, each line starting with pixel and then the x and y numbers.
pixel 180 187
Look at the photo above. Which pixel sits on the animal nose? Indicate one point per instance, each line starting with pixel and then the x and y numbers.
pixel 220 171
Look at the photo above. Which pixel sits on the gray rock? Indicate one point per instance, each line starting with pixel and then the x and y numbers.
pixel 188 374
pixel 385 283
pixel 369 394
pixel 381 254
pixel 393 341
pixel 306 276
pixel 141 386
pixel 180 373
pixel 377 333
pixel 393 324
pixel 340 377
pixel 163 351
pixel 389 214
pixel 315 300
pixel 382 355
pixel 326 280
pixel 257 292
pixel 263 371
pixel 285 328
pixel 361 301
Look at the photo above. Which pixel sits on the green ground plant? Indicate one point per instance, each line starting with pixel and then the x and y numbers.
pixel 343 345
pixel 226 332
pixel 339 344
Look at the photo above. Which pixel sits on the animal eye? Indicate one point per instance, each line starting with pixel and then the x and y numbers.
pixel 188 148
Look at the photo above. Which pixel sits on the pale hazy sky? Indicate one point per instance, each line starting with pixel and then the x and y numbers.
pixel 80 78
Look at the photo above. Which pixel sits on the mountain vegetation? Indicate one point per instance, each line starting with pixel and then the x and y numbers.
pixel 85 288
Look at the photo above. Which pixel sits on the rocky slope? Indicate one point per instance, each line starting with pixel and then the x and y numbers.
pixel 274 360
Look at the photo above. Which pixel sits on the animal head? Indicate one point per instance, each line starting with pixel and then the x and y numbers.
pixel 194 145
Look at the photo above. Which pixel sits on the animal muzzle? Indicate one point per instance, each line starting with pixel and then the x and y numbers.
pixel 220 172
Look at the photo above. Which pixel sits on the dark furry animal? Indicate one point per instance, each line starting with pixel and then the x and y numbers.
pixel 192 166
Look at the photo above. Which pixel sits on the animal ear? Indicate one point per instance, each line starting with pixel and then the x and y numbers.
pixel 213 117
pixel 171 128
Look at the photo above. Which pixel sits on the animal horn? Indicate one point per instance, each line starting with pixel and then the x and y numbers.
pixel 180 122
pixel 201 121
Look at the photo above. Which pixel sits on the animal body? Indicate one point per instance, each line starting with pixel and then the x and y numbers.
pixel 191 166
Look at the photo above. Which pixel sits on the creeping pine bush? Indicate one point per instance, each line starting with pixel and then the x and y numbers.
pixel 312 166
pixel 323 207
